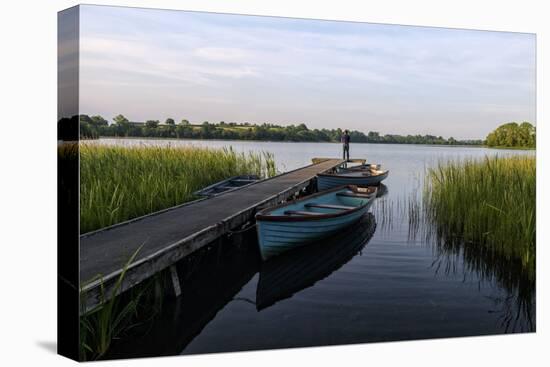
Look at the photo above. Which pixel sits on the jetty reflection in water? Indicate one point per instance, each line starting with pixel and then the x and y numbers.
pixel 212 278
pixel 404 287
pixel 407 286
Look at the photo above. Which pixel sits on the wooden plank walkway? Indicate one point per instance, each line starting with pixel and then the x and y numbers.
pixel 167 236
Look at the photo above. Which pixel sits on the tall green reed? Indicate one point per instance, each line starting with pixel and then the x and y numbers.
pixel 120 183
pixel 117 313
pixel 487 203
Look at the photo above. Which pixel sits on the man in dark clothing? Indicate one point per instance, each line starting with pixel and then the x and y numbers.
pixel 345 144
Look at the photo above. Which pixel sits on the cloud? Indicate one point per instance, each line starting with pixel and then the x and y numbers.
pixel 221 54
pixel 222 67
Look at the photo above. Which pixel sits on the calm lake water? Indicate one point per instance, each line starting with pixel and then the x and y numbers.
pixel 380 281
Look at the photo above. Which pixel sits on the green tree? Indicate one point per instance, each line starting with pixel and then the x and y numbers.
pixel 151 128
pixel 96 126
pixel 86 128
pixel 85 119
pixel 120 119
pixel 373 137
pixel 512 135
pixel 184 131
pixel 122 125
pixel 302 126
pixel 527 134
pixel 207 130
pixel 99 121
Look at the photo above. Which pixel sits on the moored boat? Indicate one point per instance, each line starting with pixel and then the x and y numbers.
pixel 229 184
pixel 283 276
pixel 302 221
pixel 359 177
pixel 360 167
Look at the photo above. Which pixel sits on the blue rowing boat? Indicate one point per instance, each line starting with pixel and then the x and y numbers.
pixel 302 221
pixel 360 167
pixel 285 275
pixel 358 177
pixel 229 184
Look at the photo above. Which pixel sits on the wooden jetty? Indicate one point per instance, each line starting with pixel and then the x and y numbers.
pixel 353 160
pixel 161 239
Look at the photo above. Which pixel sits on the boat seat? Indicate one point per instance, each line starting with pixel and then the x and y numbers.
pixel 329 206
pixel 354 195
pixel 226 187
pixel 301 212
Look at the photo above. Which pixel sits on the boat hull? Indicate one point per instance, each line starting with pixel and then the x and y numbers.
pixel 285 275
pixel 361 167
pixel 325 182
pixel 276 237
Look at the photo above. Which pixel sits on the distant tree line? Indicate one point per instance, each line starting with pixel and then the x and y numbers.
pixel 513 135
pixel 92 127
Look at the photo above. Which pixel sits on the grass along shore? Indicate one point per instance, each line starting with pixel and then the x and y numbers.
pixel 121 183
pixel 489 203
pixel 118 183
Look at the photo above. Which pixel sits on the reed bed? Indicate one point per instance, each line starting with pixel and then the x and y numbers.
pixel 121 183
pixel 487 203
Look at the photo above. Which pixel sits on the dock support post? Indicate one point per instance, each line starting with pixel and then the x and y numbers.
pixel 219 244
pixel 175 281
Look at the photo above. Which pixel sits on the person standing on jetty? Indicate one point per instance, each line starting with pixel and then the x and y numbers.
pixel 345 139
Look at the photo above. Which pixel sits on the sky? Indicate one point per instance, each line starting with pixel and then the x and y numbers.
pixel 155 64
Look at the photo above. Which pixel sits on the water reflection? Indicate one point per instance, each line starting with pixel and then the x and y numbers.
pixel 407 286
pixel 382 191
pixel 516 308
pixel 210 279
pixel 284 275
pixel 453 256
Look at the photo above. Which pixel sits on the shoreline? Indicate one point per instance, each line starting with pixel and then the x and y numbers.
pixel 301 142
pixel 285 142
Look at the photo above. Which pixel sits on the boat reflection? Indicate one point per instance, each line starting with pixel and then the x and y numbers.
pixel 382 191
pixel 284 275
pixel 211 279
